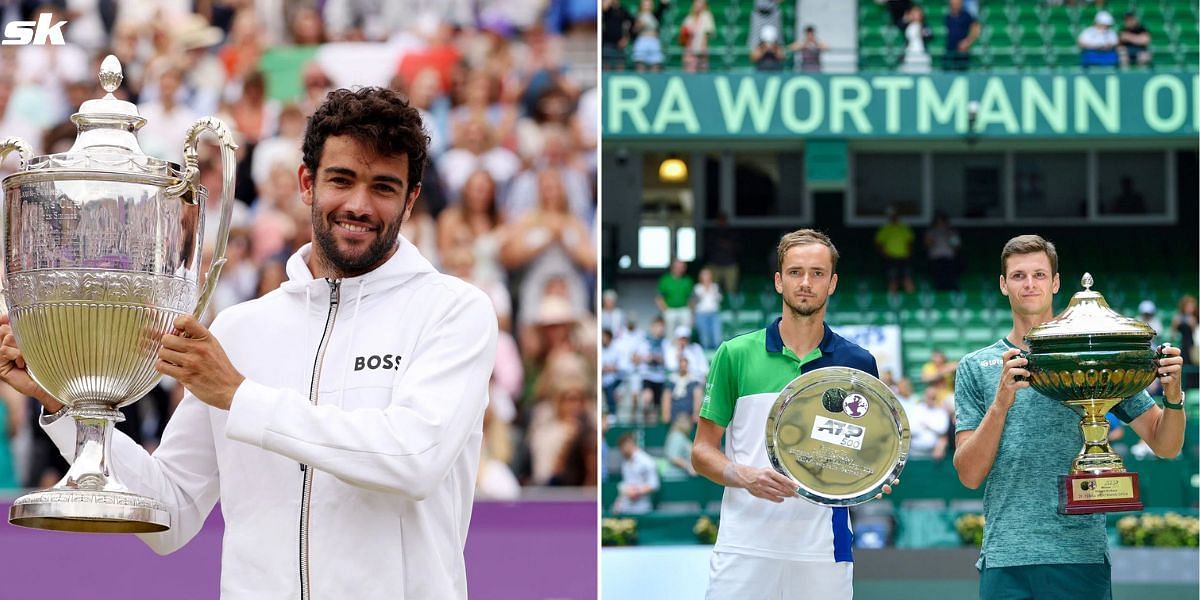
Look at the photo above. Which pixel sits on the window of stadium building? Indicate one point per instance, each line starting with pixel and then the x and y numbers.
pixel 1050 185
pixel 969 186
pixel 768 184
pixel 885 180
pixel 1129 184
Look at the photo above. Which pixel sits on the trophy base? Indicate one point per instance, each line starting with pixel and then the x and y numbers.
pixel 1086 493
pixel 89 512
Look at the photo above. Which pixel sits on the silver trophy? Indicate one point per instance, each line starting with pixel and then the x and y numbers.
pixel 102 251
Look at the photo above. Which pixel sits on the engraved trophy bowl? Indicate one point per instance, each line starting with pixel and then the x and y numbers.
pixel 1090 358
pixel 102 251
pixel 840 434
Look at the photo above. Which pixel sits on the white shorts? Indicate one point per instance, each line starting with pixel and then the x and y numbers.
pixel 743 577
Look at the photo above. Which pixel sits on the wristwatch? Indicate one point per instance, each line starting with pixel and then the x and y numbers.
pixel 1172 405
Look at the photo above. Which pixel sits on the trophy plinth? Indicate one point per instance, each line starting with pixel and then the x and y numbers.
pixel 102 252
pixel 1090 358
pixel 840 434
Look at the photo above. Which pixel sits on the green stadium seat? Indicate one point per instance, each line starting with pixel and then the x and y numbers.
pixel 914 335
pixel 943 336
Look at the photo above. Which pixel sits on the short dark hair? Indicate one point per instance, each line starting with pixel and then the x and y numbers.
pixel 376 117
pixel 626 437
pixel 1028 244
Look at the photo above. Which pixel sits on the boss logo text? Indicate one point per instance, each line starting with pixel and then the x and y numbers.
pixel 377 361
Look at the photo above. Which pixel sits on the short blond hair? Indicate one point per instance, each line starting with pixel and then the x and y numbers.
pixel 1028 244
pixel 803 237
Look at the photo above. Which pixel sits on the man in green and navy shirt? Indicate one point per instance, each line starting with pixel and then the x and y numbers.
pixel 772 543
pixel 1019 441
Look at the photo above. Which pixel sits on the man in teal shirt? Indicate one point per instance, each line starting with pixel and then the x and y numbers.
pixel 1019 442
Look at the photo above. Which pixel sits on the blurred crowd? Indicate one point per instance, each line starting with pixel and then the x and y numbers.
pixel 507 91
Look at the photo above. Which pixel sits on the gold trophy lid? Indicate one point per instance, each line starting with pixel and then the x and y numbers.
pixel 1089 315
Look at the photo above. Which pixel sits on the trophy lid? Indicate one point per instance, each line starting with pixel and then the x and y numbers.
pixel 106 146
pixel 108 122
pixel 1088 315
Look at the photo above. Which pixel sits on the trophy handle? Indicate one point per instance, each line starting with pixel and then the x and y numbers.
pixel 23 150
pixel 185 190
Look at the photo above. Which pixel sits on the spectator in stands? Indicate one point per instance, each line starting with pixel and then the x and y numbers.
pixel 885 376
pixel 904 390
pixel 1006 439
pixel 639 478
pixel 547 243
pixel 916 58
pixel 1183 328
pixel 674 296
pixel 647 46
pixel 615 26
pixel 1134 42
pixel 1148 314
pixel 961 32
pixel 167 120
pixel 721 247
pixel 897 11
pixel 941 246
pixel 678 448
pixel 496 480
pixel 1098 43
pixel 929 423
pixel 764 14
pixel 1128 201
pixel 612 369
pixel 683 395
pixel 475 148
pixel 693 36
pixel 753 550
pixel 562 407
pixel 651 362
pixel 938 374
pixel 809 49
pixel 707 298
pixel 612 317
pixel 768 54
pixel 894 241
pixel 475 224
pixel 683 347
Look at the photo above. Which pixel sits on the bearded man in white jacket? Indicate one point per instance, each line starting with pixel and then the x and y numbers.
pixel 339 418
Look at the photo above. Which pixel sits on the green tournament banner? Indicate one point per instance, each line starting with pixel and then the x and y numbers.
pixel 784 105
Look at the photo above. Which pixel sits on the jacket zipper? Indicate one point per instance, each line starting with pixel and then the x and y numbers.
pixel 306 488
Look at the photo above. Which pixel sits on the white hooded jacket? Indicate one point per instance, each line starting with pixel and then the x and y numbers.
pixel 392 444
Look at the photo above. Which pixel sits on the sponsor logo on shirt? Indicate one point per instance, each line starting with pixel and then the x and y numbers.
pixel 991 362
pixel 377 361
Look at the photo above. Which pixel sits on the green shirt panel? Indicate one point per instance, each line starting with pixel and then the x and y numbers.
pixel 1020 502
pixel 675 291
pixel 741 367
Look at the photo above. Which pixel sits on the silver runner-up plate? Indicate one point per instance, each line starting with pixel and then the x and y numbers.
pixel 840 434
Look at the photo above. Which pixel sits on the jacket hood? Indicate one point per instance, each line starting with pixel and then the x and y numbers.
pixel 403 265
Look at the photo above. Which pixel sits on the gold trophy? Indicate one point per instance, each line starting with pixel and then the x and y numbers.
pixel 1091 358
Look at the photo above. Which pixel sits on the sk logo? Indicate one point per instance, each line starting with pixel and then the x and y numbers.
pixel 37 33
